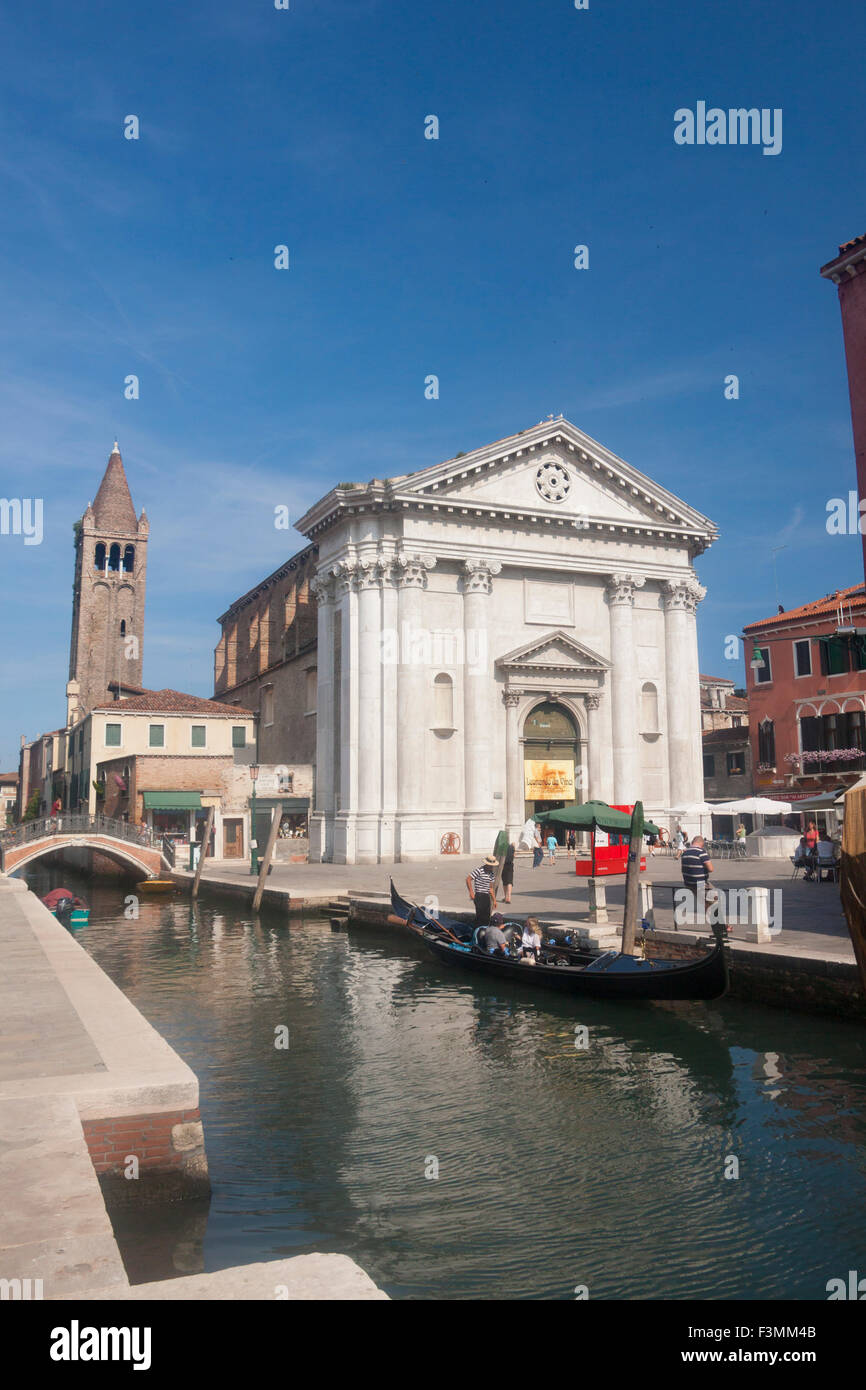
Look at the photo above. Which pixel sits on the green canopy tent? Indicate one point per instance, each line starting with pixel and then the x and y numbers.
pixel 590 814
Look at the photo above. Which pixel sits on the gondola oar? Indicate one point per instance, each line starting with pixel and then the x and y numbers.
pixel 632 879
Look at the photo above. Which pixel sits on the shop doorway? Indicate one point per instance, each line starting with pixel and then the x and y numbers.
pixel 233 839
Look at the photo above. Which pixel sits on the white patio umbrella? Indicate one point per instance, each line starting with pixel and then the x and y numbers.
pixel 701 809
pixel 755 806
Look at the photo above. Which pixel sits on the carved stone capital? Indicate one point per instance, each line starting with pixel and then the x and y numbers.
pixel 322 587
pixel 478 575
pixel 369 572
pixel 620 587
pixel 592 699
pixel 682 595
pixel 511 698
pixel 410 571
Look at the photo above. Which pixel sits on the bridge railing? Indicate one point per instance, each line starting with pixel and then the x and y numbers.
pixel 76 823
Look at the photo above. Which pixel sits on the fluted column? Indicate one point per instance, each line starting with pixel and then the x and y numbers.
pixel 682 693
pixel 322 586
pixel 477 684
pixel 514 798
pixel 410 576
pixel 368 582
pixel 594 747
pixel 620 597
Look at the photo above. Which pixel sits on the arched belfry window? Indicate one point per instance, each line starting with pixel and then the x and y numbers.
pixel 649 708
pixel 123 627
pixel 443 702
pixel 99 557
pixel 129 559
pixel 114 557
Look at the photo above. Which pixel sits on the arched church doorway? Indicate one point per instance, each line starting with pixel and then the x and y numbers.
pixel 551 759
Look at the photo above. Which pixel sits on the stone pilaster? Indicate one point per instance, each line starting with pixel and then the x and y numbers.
pixel 410 576
pixel 682 693
pixel 477 687
pixel 594 738
pixel 324 804
pixel 513 764
pixel 367 582
pixel 620 592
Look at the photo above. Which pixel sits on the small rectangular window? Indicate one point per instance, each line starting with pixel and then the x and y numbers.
pixel 112 737
pixel 239 736
pixel 157 736
pixel 199 736
pixel 736 764
pixel 709 765
pixel 834 656
pixel 764 673
pixel 803 658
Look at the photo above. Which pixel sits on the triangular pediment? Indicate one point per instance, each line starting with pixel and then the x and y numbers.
pixel 553 470
pixel 550 475
pixel 555 651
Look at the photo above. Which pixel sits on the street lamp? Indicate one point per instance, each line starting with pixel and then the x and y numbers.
pixel 254 851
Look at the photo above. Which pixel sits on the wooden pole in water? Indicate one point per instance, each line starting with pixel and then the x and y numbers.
pixel 276 817
pixel 853 875
pixel 204 849
pixel 632 880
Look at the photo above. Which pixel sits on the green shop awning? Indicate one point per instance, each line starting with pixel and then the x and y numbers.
pixel 172 801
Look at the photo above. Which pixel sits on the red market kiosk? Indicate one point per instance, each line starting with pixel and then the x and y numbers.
pixel 609 852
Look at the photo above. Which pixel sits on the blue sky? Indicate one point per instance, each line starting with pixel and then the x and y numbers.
pixel 409 256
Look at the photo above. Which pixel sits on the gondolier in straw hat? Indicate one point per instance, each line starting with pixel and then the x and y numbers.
pixel 480 886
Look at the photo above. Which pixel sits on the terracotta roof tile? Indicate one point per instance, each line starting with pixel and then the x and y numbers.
pixel 855 597
pixel 172 702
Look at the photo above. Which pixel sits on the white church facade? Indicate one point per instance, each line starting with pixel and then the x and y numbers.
pixel 509 631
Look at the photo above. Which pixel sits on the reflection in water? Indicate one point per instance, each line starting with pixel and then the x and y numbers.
pixel 557 1165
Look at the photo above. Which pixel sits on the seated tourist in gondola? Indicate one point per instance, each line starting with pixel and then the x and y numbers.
pixel 530 942
pixel 492 938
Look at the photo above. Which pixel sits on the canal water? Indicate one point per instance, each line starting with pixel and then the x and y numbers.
pixel 558 1166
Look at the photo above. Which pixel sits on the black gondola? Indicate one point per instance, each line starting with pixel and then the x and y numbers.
pixel 611 975
pixel 418 921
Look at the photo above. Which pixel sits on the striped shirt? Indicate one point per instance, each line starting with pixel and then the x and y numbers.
pixel 694 863
pixel 481 878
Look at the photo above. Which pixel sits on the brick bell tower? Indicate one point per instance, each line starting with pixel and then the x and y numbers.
pixel 107 595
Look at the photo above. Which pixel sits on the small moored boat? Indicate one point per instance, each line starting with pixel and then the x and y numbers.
pixel 156 885
pixel 69 909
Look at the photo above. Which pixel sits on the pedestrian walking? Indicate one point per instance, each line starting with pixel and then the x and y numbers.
pixel 696 867
pixel 480 885
pixel 552 846
pixel 537 848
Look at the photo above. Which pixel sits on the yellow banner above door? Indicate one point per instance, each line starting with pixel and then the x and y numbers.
pixel 548 779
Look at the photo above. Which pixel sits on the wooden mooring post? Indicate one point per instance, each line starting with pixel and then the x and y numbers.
pixel 853 875
pixel 204 849
pixel 632 880
pixel 276 817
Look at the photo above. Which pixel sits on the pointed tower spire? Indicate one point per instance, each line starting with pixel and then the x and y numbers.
pixel 113 510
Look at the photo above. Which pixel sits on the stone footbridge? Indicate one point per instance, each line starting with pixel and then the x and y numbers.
pixel 133 846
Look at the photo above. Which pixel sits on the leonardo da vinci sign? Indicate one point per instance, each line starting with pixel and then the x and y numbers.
pixel 548 779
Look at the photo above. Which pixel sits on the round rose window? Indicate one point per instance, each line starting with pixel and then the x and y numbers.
pixel 552 482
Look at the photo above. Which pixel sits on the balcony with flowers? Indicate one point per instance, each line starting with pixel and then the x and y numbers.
pixel 838 761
